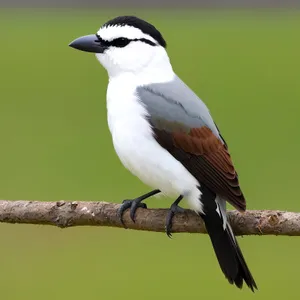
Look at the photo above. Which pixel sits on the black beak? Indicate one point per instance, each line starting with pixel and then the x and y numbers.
pixel 88 43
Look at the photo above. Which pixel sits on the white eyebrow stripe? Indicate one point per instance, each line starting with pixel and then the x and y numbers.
pixel 113 32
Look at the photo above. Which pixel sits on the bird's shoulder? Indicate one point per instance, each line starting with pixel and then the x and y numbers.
pixel 172 105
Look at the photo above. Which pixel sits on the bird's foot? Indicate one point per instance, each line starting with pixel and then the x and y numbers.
pixel 133 205
pixel 171 213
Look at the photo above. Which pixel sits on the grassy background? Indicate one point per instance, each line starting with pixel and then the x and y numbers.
pixel 55 145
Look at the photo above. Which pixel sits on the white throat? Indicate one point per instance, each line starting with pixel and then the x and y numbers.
pixel 157 69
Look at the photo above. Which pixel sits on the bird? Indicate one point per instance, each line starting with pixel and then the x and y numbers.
pixel 164 134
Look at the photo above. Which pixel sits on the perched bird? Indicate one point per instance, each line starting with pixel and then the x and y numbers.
pixel 164 134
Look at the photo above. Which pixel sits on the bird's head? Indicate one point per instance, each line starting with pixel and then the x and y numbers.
pixel 125 44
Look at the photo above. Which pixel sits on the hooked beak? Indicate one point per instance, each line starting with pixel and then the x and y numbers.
pixel 88 43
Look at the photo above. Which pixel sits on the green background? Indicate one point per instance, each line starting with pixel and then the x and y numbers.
pixel 55 144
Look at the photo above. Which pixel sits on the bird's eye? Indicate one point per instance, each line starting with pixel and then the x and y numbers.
pixel 120 42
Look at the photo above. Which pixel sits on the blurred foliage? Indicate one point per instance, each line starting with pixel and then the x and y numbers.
pixel 55 144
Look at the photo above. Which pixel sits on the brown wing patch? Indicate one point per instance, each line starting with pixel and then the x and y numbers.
pixel 207 158
pixel 198 141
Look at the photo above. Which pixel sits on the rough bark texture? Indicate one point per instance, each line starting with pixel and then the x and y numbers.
pixel 67 214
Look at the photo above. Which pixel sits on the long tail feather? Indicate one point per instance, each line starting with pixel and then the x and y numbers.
pixel 226 248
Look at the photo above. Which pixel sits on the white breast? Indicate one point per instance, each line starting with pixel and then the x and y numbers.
pixel 138 150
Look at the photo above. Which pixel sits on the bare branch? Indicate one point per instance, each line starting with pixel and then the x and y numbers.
pixel 66 214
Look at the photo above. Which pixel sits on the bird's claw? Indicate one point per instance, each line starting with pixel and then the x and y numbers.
pixel 171 213
pixel 133 205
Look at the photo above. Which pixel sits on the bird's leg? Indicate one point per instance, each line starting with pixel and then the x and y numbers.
pixel 134 205
pixel 171 213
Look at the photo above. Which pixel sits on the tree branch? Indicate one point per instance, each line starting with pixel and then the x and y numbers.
pixel 67 214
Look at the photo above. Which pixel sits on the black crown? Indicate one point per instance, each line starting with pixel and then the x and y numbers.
pixel 144 26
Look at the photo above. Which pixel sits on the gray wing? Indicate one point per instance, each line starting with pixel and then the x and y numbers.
pixel 182 125
pixel 175 103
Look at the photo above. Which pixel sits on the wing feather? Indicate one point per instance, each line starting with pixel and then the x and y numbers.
pixel 207 158
pixel 183 126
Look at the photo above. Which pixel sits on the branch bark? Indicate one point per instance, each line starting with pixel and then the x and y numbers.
pixel 67 214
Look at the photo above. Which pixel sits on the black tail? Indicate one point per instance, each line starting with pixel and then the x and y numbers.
pixel 227 250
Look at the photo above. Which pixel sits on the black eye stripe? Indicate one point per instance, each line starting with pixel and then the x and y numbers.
pixel 103 42
pixel 123 42
pixel 146 41
pixel 120 42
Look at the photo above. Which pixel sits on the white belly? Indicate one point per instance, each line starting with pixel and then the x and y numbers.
pixel 152 164
pixel 140 153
